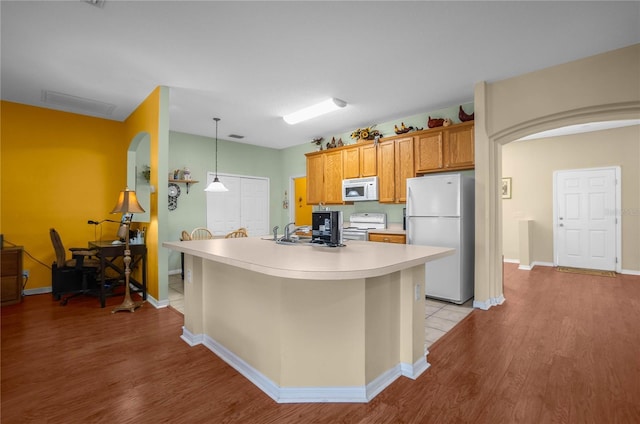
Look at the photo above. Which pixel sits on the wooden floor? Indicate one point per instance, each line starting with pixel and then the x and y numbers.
pixel 563 348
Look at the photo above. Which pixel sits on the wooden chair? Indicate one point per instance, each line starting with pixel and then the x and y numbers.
pixel 184 236
pixel 240 232
pixel 201 233
pixel 73 276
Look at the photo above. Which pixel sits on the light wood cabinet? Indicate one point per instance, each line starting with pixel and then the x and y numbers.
pixel 359 161
pixel 388 238
pixel 11 275
pixel 445 149
pixel 324 177
pixel 459 147
pixel 395 165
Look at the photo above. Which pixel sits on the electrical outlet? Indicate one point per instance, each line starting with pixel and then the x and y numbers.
pixel 416 292
pixel 188 276
pixel 25 273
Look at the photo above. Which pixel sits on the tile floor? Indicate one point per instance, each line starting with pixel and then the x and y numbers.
pixel 440 317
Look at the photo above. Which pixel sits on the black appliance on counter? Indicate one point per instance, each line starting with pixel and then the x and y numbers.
pixel 326 228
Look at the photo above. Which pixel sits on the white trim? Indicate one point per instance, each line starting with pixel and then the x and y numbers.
pixel 525 267
pixel 359 394
pixel 494 301
pixel 37 290
pixel 414 371
pixel 539 263
pixel 629 272
pixel 175 271
pixel 511 261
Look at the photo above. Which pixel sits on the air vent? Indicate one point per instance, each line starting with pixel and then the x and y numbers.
pixel 96 3
pixel 77 104
pixel 236 136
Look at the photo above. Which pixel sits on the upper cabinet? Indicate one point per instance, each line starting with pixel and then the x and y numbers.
pixel 445 148
pixel 359 160
pixel 324 177
pixel 393 160
pixel 395 165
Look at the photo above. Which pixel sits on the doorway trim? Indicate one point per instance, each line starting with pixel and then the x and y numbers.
pixel 618 211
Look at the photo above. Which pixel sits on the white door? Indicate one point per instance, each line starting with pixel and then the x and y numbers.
pixel 585 205
pixel 246 204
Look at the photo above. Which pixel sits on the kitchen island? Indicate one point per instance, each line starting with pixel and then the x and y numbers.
pixel 308 323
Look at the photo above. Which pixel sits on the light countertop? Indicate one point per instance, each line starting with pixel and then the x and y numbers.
pixel 358 259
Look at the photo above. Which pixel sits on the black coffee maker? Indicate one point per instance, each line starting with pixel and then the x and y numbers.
pixel 326 227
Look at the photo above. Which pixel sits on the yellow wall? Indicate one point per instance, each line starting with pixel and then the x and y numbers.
pixel 58 170
pixel 146 119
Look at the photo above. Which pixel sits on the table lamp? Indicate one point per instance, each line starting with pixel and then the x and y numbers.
pixel 127 204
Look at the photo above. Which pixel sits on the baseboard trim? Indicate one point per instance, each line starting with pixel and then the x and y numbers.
pixel 37 290
pixel 629 272
pixel 352 394
pixel 485 305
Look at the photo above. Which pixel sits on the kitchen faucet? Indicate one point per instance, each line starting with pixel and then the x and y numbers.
pixel 275 232
pixel 287 232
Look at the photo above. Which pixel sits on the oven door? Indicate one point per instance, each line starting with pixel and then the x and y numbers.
pixel 348 234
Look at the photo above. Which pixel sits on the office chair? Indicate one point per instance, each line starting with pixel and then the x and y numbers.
pixel 73 276
pixel 240 232
pixel 201 233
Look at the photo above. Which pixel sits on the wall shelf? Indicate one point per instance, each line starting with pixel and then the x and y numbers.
pixel 187 182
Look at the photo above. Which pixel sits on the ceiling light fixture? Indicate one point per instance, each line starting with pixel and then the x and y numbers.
pixel 216 186
pixel 321 108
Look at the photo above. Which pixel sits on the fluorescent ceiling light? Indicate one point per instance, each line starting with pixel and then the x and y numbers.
pixel 327 106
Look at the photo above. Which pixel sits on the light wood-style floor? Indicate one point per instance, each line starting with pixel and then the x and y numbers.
pixel 564 348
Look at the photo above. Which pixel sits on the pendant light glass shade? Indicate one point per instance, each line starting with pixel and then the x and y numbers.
pixel 216 186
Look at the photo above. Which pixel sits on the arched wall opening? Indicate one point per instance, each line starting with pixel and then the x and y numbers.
pixel 598 88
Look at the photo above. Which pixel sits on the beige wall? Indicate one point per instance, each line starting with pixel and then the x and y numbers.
pixel 531 164
pixel 598 88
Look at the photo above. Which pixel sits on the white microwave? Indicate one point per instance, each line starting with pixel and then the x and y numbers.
pixel 359 189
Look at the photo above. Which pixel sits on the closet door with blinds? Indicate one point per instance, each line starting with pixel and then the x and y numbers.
pixel 246 204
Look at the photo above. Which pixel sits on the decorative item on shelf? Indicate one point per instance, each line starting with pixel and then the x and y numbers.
pixel 216 186
pixel 340 142
pixel 332 143
pixel 447 122
pixel 318 142
pixel 464 117
pixel 176 174
pixel 368 133
pixel 127 205
pixel 404 129
pixel 146 173
pixel 186 174
pixel 435 122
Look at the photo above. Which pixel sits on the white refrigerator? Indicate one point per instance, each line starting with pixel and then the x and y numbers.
pixel 440 212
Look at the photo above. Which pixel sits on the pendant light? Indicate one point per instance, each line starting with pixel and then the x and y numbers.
pixel 216 186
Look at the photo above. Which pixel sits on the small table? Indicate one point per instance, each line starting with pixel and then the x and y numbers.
pixel 109 252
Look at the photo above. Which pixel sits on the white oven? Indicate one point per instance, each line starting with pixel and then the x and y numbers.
pixel 361 223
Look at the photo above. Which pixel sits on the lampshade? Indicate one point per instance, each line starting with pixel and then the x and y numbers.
pixel 216 185
pixel 127 203
pixel 321 108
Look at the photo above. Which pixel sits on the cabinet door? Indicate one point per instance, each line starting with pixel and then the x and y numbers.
pixel 388 238
pixel 333 177
pixel 315 179
pixel 386 171
pixel 351 162
pixel 404 167
pixel 459 148
pixel 368 161
pixel 428 152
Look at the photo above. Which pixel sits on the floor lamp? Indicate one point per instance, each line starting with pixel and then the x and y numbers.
pixel 127 204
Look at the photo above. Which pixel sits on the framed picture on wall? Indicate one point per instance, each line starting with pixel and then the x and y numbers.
pixel 506 188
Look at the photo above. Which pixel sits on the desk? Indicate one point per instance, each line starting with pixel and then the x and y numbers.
pixel 108 253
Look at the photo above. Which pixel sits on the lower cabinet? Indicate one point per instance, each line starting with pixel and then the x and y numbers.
pixel 388 238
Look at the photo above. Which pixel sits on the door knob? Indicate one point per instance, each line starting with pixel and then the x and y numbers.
pixel 562 225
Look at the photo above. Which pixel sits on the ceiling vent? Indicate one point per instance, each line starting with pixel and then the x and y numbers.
pixel 236 136
pixel 96 3
pixel 77 104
